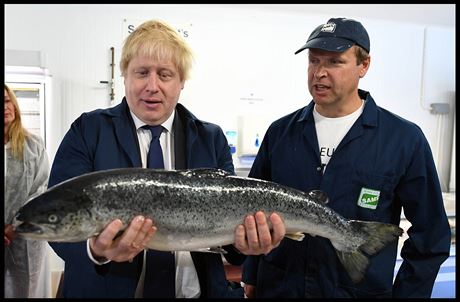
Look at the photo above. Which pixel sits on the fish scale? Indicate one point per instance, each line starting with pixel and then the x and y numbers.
pixel 194 210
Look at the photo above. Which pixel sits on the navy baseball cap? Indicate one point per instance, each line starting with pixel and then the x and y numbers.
pixel 338 34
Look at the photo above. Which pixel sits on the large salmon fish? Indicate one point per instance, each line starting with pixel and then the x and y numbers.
pixel 194 210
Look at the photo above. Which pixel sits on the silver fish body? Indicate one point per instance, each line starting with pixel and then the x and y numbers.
pixel 194 210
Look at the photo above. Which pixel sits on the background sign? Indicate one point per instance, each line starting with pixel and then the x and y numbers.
pixel 129 25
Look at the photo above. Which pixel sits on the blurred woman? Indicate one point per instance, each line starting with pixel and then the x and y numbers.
pixel 26 175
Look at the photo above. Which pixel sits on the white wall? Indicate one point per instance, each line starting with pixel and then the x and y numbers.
pixel 241 52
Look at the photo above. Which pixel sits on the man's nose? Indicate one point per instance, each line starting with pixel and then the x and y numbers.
pixel 320 71
pixel 152 84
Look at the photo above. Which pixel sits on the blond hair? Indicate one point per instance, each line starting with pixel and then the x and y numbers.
pixel 16 132
pixel 157 40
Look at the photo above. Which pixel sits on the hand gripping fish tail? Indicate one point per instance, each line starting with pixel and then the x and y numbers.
pixel 194 210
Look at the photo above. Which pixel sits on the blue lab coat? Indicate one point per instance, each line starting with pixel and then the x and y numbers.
pixel 106 139
pixel 383 152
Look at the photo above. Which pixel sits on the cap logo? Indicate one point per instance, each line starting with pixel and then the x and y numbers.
pixel 329 27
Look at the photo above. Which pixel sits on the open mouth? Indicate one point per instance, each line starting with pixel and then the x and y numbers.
pixel 321 87
pixel 26 227
pixel 151 102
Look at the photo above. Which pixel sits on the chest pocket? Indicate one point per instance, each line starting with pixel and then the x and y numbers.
pixel 383 184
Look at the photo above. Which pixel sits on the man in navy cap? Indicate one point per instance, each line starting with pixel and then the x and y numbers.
pixel 372 164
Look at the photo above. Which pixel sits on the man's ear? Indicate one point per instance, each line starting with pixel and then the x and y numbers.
pixel 365 66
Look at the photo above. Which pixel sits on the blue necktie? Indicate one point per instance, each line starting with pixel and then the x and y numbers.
pixel 160 268
pixel 155 155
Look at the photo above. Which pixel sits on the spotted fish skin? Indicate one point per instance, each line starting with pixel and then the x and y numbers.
pixel 193 210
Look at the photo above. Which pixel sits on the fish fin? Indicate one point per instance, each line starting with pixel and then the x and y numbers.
pixel 298 236
pixel 377 236
pixel 214 250
pixel 319 196
pixel 355 263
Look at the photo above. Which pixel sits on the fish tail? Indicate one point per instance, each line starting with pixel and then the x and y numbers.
pixel 377 235
pixel 355 263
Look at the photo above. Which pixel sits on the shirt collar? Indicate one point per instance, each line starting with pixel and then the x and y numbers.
pixel 167 124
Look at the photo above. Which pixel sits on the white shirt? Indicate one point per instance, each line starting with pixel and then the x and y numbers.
pixel 331 131
pixel 187 285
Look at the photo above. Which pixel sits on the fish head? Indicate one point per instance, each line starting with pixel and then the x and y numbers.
pixel 56 216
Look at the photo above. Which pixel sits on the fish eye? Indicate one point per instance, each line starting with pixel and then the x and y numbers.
pixel 52 218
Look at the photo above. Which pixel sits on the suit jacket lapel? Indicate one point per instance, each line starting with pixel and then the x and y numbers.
pixel 125 131
pixel 179 143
